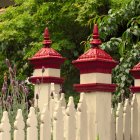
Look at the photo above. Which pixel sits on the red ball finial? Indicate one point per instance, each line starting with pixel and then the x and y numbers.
pixel 96 40
pixel 47 42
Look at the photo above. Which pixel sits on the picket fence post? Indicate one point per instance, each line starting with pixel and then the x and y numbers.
pixel 45 126
pixel 58 122
pixel 32 132
pixel 5 127
pixel 19 126
pixel 70 121
pixel 127 120
pixel 119 122
pixel 63 100
pixel 46 63
pixel 81 119
pixel 134 118
pixel 113 125
pixel 95 67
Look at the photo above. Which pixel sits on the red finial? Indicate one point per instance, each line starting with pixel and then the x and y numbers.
pixel 96 40
pixel 47 42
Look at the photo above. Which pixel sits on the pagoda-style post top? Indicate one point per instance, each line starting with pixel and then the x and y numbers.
pixel 47 42
pixel 46 70
pixel 96 40
pixel 47 57
pixel 95 64
pixel 95 59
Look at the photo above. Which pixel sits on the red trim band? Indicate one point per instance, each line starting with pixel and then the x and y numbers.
pixel 135 89
pixel 47 79
pixel 135 74
pixel 95 87
pixel 50 62
pixel 95 66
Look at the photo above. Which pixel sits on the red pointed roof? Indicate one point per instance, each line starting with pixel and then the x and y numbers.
pixel 47 56
pixel 95 59
pixel 46 51
pixel 136 71
pixel 136 67
pixel 95 53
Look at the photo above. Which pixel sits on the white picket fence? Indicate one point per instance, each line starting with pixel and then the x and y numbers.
pixel 59 121
pixel 124 121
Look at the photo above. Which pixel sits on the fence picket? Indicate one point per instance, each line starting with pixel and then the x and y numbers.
pixel 19 126
pixel 70 118
pixel 134 118
pixel 81 119
pixel 5 127
pixel 32 132
pixel 119 122
pixel 58 123
pixel 62 99
pixel 51 106
pixel 45 126
pixel 113 123
pixel 126 120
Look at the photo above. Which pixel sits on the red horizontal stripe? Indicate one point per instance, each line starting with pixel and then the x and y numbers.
pixel 95 87
pixel 47 79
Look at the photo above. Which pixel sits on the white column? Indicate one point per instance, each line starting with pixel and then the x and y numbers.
pixel 43 89
pixel 99 106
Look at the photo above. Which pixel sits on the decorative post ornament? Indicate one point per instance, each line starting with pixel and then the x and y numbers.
pixel 95 68
pixel 46 63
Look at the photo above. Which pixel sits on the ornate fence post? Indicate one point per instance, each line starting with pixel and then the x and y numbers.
pixel 95 80
pixel 136 89
pixel 46 63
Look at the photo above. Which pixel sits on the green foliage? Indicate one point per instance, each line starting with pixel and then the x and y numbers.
pixel 116 4
pixel 126 45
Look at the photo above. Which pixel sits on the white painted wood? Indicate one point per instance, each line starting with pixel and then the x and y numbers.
pixel 56 97
pixel 126 120
pixel 32 132
pixel 99 116
pixel 119 122
pixel 58 123
pixel 45 126
pixel 51 106
pixel 48 72
pixel 19 126
pixel 55 92
pixel 113 125
pixel 62 100
pixel 95 78
pixel 134 118
pixel 5 127
pixel 70 124
pixel 64 120
pixel 44 92
pixel 81 119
